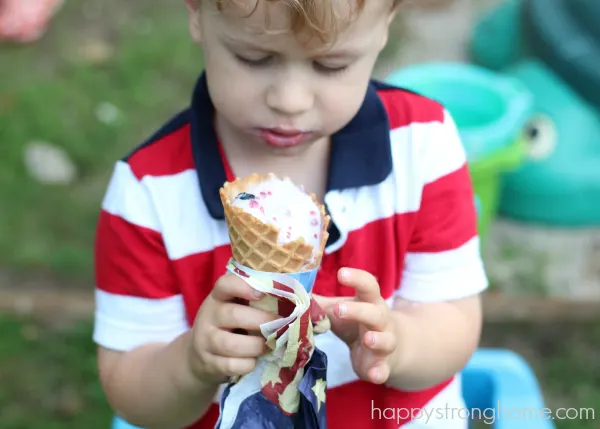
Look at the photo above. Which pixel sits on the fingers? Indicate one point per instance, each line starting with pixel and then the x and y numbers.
pixel 380 342
pixel 231 367
pixel 227 344
pixel 369 367
pixel 374 317
pixel 230 287
pixel 379 374
pixel 235 316
pixel 367 287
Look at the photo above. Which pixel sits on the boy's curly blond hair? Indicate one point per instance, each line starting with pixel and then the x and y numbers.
pixel 317 17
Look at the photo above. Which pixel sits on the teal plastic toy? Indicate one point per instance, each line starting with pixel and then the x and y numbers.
pixel 559 184
pixel 497 38
pixel 490 111
pixel 551 48
pixel 564 34
pixel 560 32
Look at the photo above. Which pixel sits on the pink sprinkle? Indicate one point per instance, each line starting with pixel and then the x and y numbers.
pixel 313 213
pixel 275 219
pixel 263 194
pixel 253 204
pixel 316 236
pixel 262 210
pixel 290 227
pixel 270 193
pixel 314 222
pixel 289 235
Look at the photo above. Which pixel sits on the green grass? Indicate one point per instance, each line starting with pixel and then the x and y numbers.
pixel 48 377
pixel 50 93
pixel 49 381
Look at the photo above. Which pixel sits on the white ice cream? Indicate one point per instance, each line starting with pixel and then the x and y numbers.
pixel 287 207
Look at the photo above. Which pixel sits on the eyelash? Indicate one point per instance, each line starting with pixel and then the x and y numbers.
pixel 254 63
pixel 266 60
pixel 329 70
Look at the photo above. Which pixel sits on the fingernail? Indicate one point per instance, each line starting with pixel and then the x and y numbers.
pixel 344 274
pixel 342 308
pixel 256 293
pixel 377 375
pixel 372 340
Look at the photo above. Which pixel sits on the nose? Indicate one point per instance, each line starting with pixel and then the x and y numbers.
pixel 290 96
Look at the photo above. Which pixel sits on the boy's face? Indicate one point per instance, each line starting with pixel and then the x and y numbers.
pixel 275 90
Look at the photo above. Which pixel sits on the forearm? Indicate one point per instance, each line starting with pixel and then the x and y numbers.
pixel 153 387
pixel 436 340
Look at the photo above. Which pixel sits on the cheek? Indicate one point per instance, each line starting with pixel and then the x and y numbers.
pixel 233 92
pixel 228 79
pixel 341 106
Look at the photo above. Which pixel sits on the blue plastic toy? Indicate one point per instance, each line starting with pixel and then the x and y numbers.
pixel 122 424
pixel 499 385
pixel 504 389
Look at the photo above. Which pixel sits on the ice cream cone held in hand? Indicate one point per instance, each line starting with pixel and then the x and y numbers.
pixel 278 234
pixel 274 225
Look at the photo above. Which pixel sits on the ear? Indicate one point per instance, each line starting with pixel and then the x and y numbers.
pixel 194 20
pixel 390 22
pixel 393 14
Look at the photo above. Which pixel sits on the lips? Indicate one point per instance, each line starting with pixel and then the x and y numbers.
pixel 282 138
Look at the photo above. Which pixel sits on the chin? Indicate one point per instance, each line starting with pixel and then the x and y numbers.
pixel 295 150
pixel 288 151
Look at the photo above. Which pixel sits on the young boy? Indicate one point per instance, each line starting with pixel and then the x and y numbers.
pixel 287 90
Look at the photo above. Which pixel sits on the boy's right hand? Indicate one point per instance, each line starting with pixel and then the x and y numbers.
pixel 217 350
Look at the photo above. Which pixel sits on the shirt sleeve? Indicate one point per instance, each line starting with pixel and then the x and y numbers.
pixel 443 261
pixel 137 295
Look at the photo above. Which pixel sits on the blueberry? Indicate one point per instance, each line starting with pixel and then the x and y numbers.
pixel 246 196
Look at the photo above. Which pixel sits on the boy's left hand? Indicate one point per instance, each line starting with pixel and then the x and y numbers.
pixel 366 323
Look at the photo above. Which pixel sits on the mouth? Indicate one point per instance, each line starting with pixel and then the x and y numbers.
pixel 283 138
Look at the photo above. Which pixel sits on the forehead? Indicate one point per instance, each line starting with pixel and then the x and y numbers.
pixel 317 26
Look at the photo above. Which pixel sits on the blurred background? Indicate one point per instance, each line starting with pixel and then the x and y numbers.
pixel 83 84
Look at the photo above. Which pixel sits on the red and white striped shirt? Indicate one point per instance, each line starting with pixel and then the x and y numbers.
pixel 402 207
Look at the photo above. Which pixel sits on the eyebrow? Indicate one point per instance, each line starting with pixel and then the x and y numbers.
pixel 334 54
pixel 341 53
pixel 244 44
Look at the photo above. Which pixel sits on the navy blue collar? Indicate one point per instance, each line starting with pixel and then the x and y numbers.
pixel 360 152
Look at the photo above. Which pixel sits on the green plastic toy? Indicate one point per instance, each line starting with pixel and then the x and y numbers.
pixel 490 111
pixel 550 46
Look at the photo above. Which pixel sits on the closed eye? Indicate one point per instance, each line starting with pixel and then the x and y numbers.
pixel 258 62
pixel 264 61
pixel 325 69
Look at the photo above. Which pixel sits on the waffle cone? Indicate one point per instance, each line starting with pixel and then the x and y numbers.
pixel 254 243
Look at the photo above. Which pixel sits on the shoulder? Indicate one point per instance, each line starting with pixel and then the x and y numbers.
pixel 405 107
pixel 166 152
pixel 132 194
pixel 425 142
